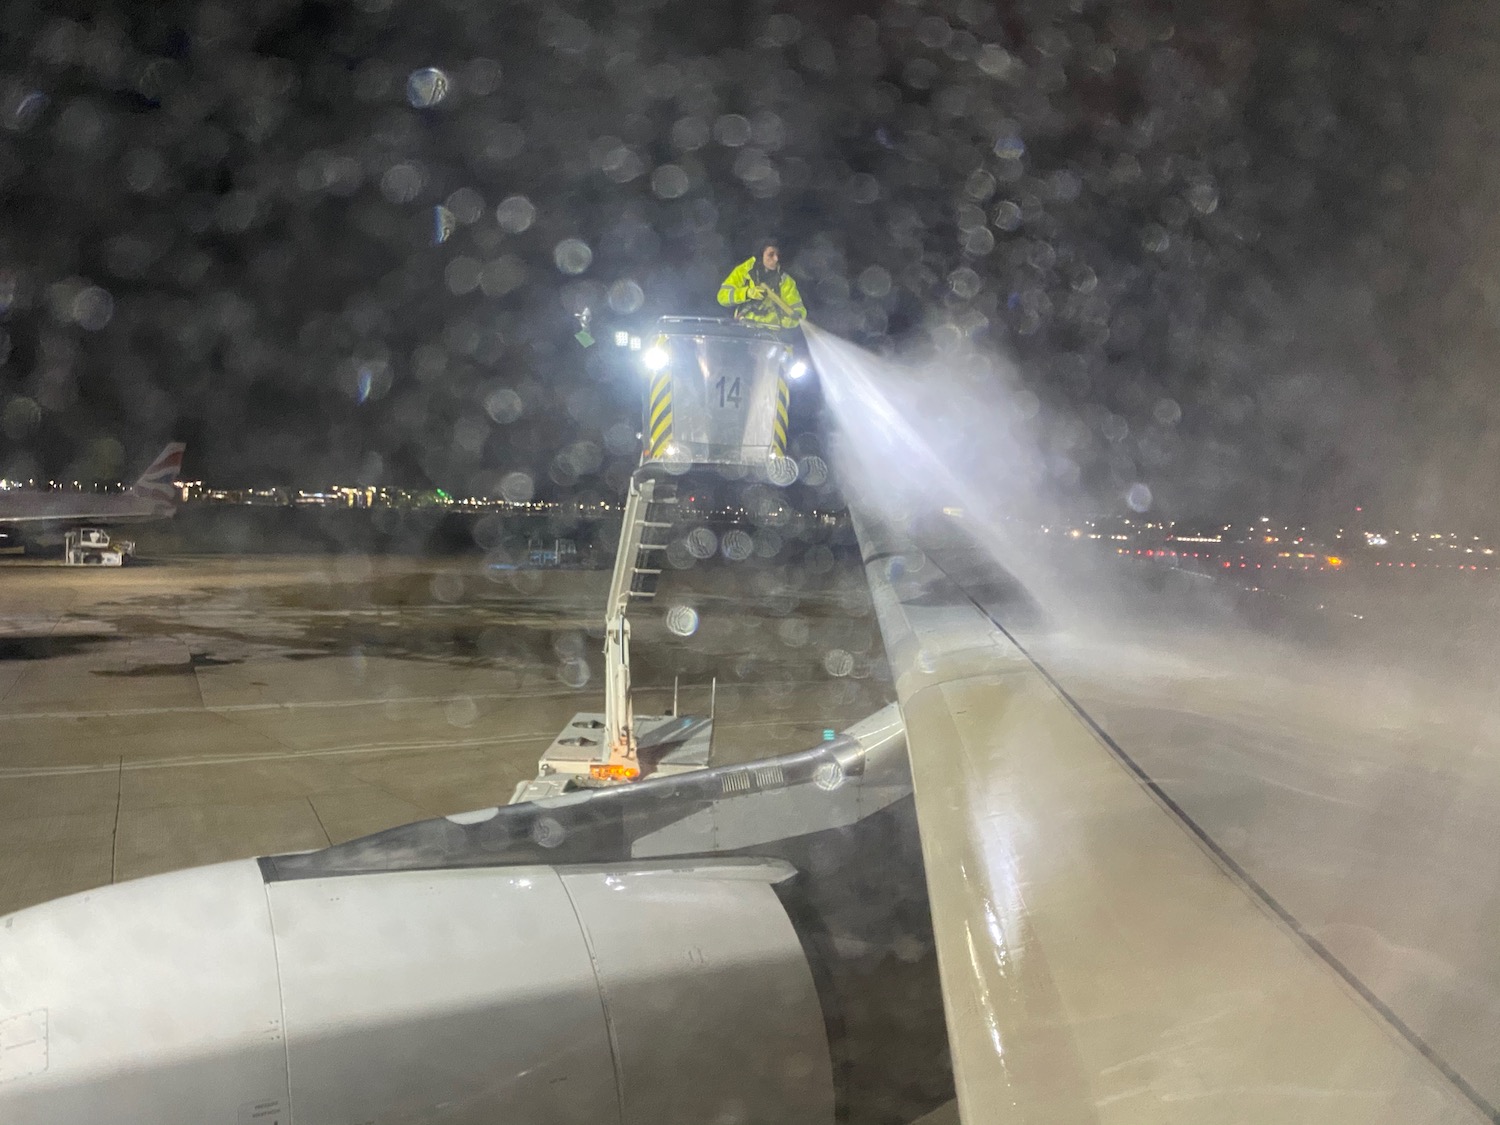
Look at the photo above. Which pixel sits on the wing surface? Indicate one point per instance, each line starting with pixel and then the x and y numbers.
pixel 1102 961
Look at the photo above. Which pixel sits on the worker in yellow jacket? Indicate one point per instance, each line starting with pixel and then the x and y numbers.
pixel 760 292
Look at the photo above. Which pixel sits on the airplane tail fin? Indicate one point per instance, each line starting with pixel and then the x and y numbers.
pixel 155 484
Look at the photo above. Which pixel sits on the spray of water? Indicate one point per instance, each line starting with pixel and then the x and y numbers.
pixel 953 432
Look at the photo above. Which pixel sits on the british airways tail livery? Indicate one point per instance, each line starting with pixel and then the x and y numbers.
pixel 155 484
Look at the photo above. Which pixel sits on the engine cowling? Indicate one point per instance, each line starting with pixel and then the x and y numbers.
pixel 664 992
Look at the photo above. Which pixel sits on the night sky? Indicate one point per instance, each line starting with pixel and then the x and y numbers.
pixel 1243 252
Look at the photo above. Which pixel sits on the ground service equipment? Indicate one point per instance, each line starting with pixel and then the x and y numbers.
pixel 92 546
pixel 716 397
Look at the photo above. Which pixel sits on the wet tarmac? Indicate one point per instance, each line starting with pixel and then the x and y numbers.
pixel 197 709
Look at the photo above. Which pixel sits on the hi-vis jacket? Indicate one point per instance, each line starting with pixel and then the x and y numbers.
pixel 736 292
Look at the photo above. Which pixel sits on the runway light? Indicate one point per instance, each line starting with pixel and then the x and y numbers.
pixel 655 358
pixel 796 370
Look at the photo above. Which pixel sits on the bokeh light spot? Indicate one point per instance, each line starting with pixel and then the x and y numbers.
pixel 517 487
pixel 515 213
pixel 426 87
pixel 682 620
pixel 572 255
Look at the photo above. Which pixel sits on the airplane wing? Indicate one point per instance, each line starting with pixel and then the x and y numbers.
pixel 1102 958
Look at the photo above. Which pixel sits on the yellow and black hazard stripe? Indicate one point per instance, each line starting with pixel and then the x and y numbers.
pixel 659 415
pixel 783 399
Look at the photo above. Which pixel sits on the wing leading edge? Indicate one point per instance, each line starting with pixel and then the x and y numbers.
pixel 1099 962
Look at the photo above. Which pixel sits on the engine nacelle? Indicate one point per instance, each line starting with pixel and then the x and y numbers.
pixel 650 992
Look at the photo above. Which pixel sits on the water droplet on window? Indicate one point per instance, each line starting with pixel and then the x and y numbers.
pixel 828 776
pixel 689 134
pixel 1009 146
pixel 572 255
pixel 996 61
pixel 682 620
pixel 515 214
pixel 501 275
pixel 794 632
pixel 1167 412
pixel 702 543
pixel 626 297
pixel 781 471
pixel 466 204
pixel 979 186
pixel 93 308
pixel 461 712
pixel 737 545
pixel 23 108
pixel 402 182
pixel 1007 215
pixel 978 242
pixel 517 487
pixel 425 88
pixel 875 281
pixel 461 276
pixel 669 182
pixel 838 662
pixel 814 471
pixel 965 282
pixel 732 130
pixel 1203 198
pixel 864 188
pixel 444 223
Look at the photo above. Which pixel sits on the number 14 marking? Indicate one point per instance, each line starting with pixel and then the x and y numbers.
pixel 728 395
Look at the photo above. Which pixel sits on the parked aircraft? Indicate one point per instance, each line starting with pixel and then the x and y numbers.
pixel 33 515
